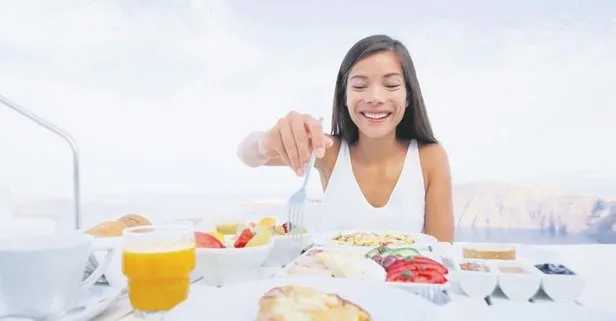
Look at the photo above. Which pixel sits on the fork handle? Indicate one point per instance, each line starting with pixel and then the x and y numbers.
pixel 313 158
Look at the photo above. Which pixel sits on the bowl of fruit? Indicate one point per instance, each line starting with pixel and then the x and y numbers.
pixel 224 259
pixel 289 240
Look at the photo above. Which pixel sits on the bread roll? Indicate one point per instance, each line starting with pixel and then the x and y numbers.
pixel 107 229
pixel 115 228
pixel 132 220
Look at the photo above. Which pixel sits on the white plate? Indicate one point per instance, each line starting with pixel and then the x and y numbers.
pixel 516 311
pixel 222 304
pixel 96 300
pixel 374 272
pixel 422 241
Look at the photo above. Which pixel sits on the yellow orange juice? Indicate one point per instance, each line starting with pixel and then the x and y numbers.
pixel 158 281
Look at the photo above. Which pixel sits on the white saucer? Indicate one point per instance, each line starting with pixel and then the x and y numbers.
pixel 96 299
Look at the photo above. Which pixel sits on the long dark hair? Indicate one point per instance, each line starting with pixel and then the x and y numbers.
pixel 414 124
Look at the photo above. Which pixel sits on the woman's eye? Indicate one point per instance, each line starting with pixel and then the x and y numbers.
pixel 359 87
pixel 392 86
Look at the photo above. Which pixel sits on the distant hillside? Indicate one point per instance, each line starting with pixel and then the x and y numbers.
pixel 499 205
pixel 476 205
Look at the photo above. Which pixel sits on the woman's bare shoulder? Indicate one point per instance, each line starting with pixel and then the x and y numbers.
pixel 433 158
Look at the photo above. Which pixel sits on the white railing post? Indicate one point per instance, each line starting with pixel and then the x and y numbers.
pixel 71 142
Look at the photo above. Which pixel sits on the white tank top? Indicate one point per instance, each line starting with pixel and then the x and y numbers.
pixel 344 206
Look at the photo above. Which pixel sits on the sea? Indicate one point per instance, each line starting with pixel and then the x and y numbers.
pixel 165 208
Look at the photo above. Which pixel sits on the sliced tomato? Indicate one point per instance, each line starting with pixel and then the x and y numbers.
pixel 402 276
pixel 399 264
pixel 243 238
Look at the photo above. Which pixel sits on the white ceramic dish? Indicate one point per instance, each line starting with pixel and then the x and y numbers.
pixel 477 284
pixel 374 272
pixel 562 288
pixel 422 241
pixel 286 249
pixel 390 304
pixel 113 273
pixel 94 299
pixel 221 266
pixel 518 286
pixel 517 311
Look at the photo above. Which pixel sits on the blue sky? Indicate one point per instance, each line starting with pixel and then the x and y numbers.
pixel 159 93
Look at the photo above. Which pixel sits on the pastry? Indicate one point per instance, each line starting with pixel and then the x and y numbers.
pixel 486 253
pixel 132 220
pixel 298 303
pixel 115 228
pixel 107 229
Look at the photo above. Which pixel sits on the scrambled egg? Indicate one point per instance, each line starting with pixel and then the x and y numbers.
pixel 373 239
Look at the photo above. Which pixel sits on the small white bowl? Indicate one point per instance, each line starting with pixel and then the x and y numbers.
pixel 518 286
pixel 222 266
pixel 477 284
pixel 286 249
pixel 562 288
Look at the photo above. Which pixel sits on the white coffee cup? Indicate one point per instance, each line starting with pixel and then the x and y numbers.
pixel 43 274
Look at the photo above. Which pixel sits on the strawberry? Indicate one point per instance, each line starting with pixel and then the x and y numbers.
pixel 243 238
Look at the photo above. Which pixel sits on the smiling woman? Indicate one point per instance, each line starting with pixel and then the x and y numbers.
pixel 381 167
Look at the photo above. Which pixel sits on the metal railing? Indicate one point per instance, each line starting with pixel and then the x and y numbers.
pixel 71 142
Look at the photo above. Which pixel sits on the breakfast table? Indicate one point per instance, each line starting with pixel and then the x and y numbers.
pixel 595 262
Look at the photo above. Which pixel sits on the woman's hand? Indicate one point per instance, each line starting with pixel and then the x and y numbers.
pixel 293 139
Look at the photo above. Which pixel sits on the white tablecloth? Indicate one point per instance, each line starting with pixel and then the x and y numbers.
pixel 596 262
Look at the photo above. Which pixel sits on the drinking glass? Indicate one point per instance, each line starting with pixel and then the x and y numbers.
pixel 157 262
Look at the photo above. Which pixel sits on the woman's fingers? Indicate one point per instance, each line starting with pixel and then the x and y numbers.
pixel 319 140
pixel 290 146
pixel 302 142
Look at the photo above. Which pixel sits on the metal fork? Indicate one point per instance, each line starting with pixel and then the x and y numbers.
pixel 436 296
pixel 297 202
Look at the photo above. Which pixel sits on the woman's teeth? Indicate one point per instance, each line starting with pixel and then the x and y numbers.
pixel 376 116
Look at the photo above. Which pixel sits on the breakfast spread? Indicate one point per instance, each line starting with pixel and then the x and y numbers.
pixel 374 239
pixel 558 269
pixel 489 253
pixel 299 303
pixel 247 237
pixel 115 228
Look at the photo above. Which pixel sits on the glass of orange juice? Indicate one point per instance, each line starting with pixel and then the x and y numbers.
pixel 157 262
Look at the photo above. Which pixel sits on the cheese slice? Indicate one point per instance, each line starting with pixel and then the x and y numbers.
pixel 344 265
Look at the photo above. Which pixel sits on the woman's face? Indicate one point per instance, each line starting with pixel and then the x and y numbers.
pixel 376 94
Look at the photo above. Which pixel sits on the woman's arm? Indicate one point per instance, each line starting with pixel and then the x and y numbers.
pixel 439 221
pixel 253 153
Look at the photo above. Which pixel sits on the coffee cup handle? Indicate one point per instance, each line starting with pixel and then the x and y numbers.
pixel 102 266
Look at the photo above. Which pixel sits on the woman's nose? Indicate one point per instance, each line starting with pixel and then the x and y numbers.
pixel 374 95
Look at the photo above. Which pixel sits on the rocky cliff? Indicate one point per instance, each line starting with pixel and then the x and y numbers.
pixel 499 205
